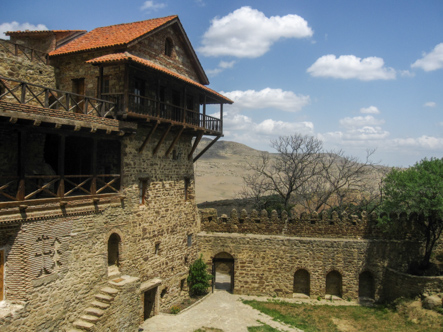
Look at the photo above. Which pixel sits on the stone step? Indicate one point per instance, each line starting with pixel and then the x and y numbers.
pixel 100 304
pixel 83 326
pixel 90 318
pixel 109 291
pixel 104 298
pixel 75 330
pixel 94 311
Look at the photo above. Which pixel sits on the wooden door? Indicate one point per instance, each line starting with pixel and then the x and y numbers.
pixel 2 271
pixel 149 303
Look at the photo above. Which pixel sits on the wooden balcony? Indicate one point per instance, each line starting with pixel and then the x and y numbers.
pixel 36 95
pixel 152 109
pixel 42 189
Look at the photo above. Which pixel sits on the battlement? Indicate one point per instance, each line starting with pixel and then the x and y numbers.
pixel 321 225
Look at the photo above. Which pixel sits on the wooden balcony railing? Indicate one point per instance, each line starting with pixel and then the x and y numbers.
pixel 14 189
pixel 36 95
pixel 27 52
pixel 165 111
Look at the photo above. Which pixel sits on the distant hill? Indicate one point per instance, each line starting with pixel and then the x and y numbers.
pixel 219 172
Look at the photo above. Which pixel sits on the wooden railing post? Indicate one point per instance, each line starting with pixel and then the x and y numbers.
pixel 85 105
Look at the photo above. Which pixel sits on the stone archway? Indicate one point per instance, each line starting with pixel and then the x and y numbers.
pixel 302 282
pixel 334 283
pixel 223 272
pixel 366 287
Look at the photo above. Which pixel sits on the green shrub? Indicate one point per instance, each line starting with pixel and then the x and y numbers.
pixel 175 309
pixel 198 278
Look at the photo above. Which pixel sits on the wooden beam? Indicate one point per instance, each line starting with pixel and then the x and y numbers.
pixel 206 148
pixel 161 140
pixel 174 141
pixel 197 140
pixel 148 138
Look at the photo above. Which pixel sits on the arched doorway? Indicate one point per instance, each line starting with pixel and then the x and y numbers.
pixel 366 285
pixel 302 282
pixel 334 284
pixel 114 242
pixel 223 272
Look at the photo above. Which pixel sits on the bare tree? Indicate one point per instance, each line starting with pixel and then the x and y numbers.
pixel 301 172
pixel 298 161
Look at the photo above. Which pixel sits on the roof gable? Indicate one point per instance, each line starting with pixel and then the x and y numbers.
pixel 114 35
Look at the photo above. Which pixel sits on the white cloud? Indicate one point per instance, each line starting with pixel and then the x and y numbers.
pixel 248 33
pixel 430 104
pixel 370 110
pixel 268 98
pixel 431 61
pixel 424 142
pixel 151 5
pixel 351 67
pixel 15 26
pixel 221 67
pixel 360 121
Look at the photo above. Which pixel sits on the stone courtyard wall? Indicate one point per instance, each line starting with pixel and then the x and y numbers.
pixel 266 264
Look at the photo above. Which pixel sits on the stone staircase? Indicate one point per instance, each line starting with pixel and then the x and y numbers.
pixel 95 311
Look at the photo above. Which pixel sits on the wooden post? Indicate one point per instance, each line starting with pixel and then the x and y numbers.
pixel 204 112
pixel 100 82
pixel 61 166
pixel 221 118
pixel 94 167
pixel 126 92
pixel 21 166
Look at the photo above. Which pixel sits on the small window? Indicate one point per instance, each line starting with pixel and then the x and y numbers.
pixel 187 184
pixel 143 186
pixel 168 47
pixel 157 249
pixel 189 240
pixel 182 284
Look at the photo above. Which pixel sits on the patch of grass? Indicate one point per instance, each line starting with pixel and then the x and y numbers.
pixel 314 318
pixel 208 329
pixel 263 328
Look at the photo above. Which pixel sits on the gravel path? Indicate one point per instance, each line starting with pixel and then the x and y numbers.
pixel 220 310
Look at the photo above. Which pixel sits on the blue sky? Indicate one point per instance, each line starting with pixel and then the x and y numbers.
pixel 357 74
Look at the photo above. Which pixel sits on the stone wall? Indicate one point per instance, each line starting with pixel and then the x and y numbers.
pixel 397 284
pixel 56 259
pixel 153 48
pixel 315 225
pixel 266 264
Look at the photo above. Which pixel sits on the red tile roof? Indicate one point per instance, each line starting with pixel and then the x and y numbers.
pixel 119 57
pixel 114 35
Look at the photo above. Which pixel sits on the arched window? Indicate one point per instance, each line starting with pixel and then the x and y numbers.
pixel 334 283
pixel 366 285
pixel 114 250
pixel 302 282
pixel 168 47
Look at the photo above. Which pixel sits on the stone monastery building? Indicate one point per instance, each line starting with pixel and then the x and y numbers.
pixel 97 211
pixel 98 221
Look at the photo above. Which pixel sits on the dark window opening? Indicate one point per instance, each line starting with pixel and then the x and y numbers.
pixel 168 47
pixel 143 189
pixel 189 241
pixel 114 250
pixel 187 185
pixel 157 249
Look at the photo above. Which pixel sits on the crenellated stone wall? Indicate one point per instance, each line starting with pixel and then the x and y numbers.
pixel 316 225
